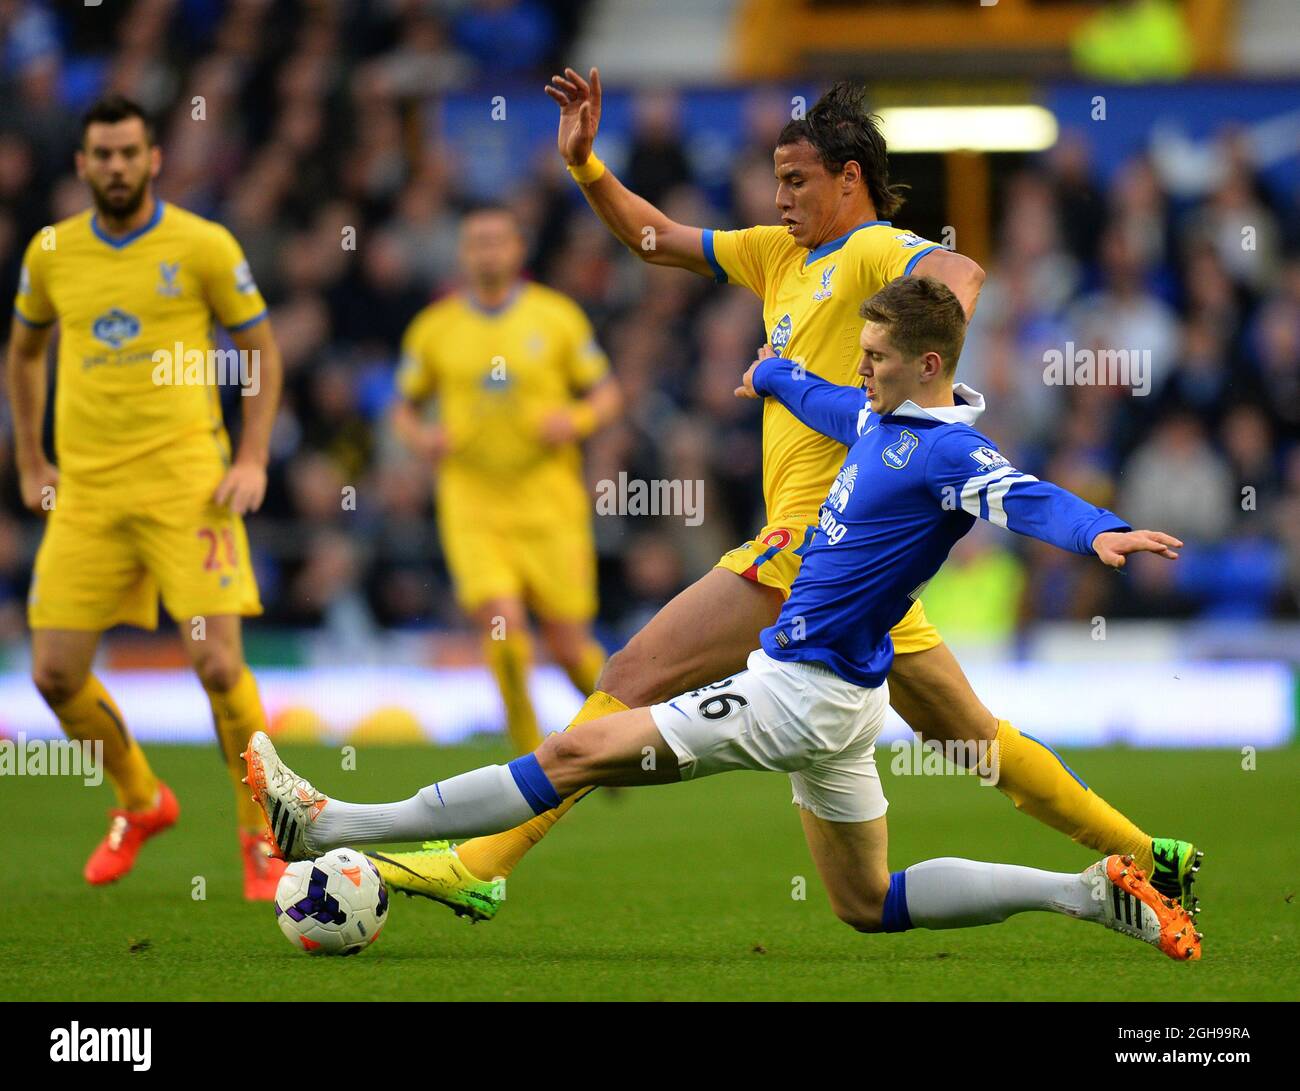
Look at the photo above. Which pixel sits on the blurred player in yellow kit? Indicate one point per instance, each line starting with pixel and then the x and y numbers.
pixel 519 381
pixel 145 500
pixel 835 247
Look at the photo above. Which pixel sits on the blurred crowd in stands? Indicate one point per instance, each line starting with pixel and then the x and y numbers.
pixel 316 118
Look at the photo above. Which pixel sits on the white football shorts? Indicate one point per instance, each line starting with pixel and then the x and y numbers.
pixel 796 718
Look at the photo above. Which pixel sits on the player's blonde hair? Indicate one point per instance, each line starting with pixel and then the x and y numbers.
pixel 922 315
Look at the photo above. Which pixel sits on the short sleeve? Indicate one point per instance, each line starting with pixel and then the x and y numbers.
pixel 585 361
pixel 897 252
pixel 416 381
pixel 32 303
pixel 743 257
pixel 228 283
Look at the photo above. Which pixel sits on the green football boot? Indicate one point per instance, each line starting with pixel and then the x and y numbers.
pixel 1176 865
pixel 435 872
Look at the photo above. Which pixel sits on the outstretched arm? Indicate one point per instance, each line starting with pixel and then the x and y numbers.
pixel 964 474
pixel 634 221
pixel 835 411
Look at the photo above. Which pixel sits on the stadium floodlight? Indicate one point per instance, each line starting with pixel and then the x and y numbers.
pixel 968 128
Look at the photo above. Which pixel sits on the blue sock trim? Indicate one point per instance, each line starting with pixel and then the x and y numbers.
pixel 895 917
pixel 534 784
pixel 1058 757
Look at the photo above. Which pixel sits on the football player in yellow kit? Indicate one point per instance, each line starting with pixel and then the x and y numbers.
pixel 518 380
pixel 144 498
pixel 834 249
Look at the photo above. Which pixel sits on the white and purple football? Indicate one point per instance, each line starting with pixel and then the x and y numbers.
pixel 334 905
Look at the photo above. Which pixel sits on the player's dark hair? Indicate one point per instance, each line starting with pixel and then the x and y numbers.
pixel 485 206
pixel 841 128
pixel 922 315
pixel 111 109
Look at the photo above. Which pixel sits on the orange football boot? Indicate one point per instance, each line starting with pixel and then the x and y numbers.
pixel 115 855
pixel 1138 909
pixel 262 871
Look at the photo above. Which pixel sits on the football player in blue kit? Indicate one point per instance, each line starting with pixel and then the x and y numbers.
pixel 812 700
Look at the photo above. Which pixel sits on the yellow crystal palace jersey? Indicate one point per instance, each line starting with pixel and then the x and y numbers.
pixel 118 302
pixel 810 310
pixel 496 376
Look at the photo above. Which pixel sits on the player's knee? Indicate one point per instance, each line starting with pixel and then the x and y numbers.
pixel 501 618
pixel 566 756
pixel 567 748
pixel 566 651
pixel 864 915
pixel 863 908
pixel 626 676
pixel 218 670
pixel 57 683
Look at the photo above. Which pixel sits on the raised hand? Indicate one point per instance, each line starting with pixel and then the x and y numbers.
pixel 579 102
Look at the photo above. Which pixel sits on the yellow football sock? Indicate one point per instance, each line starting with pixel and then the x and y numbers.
pixel 236 714
pixel 495 857
pixel 1039 783
pixel 508 660
pixel 586 673
pixel 92 715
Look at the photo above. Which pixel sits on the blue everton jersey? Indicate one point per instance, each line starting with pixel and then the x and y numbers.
pixel 913 483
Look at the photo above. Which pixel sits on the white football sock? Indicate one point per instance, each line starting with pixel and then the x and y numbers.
pixel 955 893
pixel 482 801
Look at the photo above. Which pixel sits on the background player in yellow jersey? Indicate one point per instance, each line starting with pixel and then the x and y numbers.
pixel 519 381
pixel 145 499
pixel 834 249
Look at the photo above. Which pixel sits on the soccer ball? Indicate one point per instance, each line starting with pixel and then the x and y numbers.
pixel 333 905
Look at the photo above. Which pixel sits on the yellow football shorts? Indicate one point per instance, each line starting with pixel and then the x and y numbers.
pixel 551 567
pixel 104 562
pixel 773 559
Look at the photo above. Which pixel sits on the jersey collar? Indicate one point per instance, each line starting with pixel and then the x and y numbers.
pixel 493 312
pixel 970 404
pixel 119 241
pixel 828 248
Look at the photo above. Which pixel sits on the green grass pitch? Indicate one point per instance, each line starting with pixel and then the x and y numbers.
pixel 683 892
